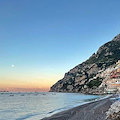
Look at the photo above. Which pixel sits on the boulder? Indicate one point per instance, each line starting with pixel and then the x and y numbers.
pixel 114 111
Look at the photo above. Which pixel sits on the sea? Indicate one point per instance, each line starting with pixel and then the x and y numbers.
pixel 37 105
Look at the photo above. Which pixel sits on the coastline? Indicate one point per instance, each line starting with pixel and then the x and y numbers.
pixel 94 110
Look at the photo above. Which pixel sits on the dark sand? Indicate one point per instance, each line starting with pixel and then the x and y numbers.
pixel 90 111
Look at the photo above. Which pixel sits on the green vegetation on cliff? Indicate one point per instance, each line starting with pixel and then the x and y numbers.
pixel 94 83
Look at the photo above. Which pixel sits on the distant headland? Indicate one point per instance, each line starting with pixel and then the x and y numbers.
pixel 4 91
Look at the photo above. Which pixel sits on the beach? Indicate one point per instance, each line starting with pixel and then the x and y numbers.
pixel 91 111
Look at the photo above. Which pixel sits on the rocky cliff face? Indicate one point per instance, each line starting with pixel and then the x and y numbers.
pixel 85 77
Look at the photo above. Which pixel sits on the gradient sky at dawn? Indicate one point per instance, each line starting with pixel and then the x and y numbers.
pixel 43 39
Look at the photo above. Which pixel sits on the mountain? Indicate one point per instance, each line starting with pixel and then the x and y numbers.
pixel 85 77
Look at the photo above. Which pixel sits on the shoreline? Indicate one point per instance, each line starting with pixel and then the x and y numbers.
pixel 93 110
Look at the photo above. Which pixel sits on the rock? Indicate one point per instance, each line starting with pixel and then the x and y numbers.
pixel 114 111
pixel 116 38
pixel 70 87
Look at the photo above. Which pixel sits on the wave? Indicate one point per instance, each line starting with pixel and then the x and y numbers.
pixel 27 116
pixel 80 103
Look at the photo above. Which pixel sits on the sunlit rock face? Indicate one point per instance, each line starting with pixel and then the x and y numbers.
pixel 86 77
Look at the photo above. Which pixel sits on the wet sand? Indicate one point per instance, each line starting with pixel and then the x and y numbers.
pixel 91 111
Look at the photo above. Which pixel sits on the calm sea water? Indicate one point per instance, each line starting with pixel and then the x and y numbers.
pixel 34 106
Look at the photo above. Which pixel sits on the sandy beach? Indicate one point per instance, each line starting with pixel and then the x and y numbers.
pixel 91 111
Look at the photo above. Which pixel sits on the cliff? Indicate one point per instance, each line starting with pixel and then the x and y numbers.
pixel 86 77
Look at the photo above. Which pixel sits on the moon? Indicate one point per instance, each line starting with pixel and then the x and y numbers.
pixel 12 65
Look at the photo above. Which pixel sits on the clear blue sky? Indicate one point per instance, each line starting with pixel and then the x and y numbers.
pixel 46 38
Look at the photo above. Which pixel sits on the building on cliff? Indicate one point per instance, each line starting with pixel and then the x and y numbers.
pixel 113 82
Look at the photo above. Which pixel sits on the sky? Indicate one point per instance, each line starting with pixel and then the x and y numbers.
pixel 41 40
